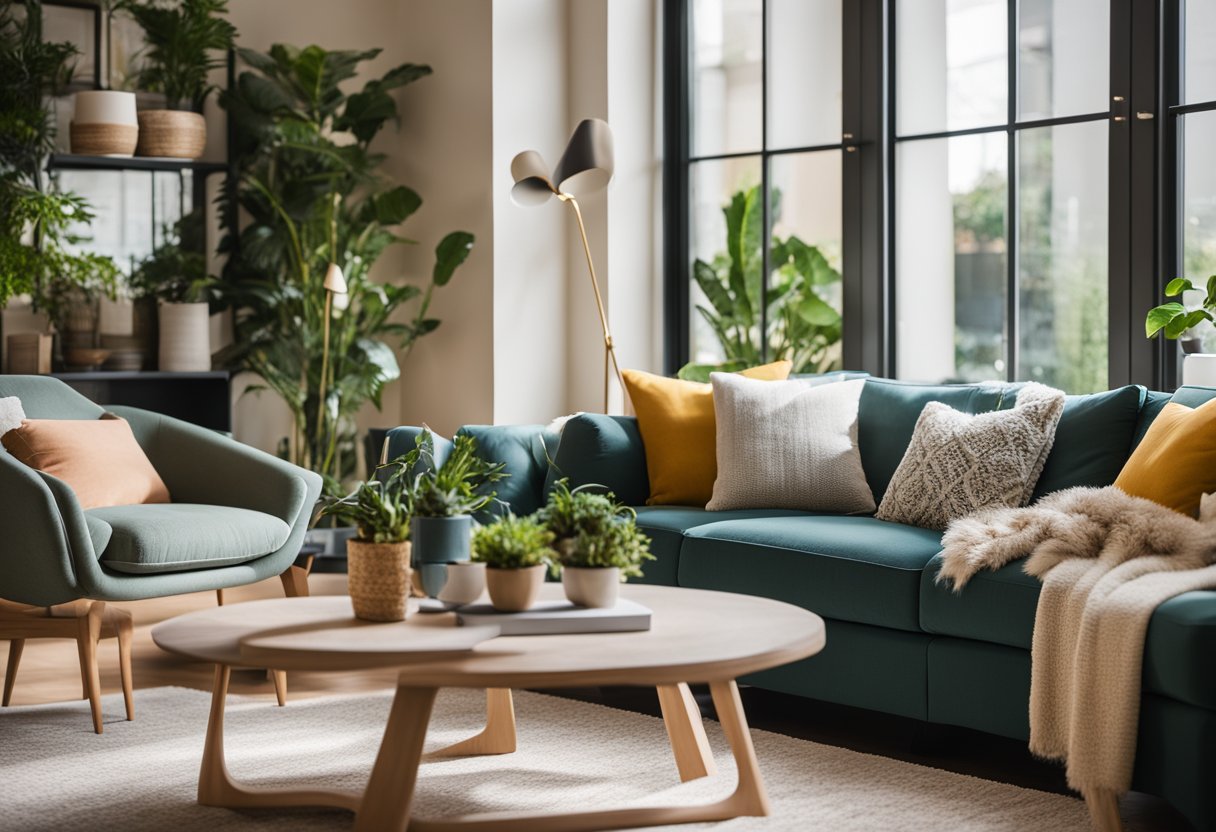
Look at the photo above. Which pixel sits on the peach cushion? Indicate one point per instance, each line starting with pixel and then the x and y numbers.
pixel 99 459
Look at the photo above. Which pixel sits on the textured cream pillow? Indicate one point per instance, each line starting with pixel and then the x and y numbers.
pixel 11 414
pixel 958 463
pixel 788 444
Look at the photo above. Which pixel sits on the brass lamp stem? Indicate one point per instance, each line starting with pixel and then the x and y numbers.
pixel 609 346
pixel 329 298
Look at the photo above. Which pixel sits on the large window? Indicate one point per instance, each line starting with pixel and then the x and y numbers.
pixel 938 190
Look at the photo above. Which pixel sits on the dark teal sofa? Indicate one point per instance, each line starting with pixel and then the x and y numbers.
pixel 898 641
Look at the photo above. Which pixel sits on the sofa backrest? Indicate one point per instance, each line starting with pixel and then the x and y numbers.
pixel 43 397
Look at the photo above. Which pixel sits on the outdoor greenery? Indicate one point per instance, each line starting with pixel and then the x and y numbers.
pixel 1173 320
pixel 311 193
pixel 459 486
pixel 512 542
pixel 36 245
pixel 594 529
pixel 804 325
pixel 185 41
pixel 378 508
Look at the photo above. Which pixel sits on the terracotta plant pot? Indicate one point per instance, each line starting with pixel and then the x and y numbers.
pixel 379 582
pixel 185 338
pixel 104 123
pixel 592 586
pixel 176 134
pixel 515 590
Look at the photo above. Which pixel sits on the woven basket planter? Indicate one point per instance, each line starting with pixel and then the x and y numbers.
pixel 177 134
pixel 379 579
pixel 104 139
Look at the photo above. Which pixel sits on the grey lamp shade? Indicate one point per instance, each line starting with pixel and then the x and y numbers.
pixel 585 166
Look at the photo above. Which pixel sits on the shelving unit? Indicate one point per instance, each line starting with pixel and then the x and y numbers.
pixel 68 161
pixel 202 399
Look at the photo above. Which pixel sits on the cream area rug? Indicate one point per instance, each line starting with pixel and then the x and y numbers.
pixel 55 774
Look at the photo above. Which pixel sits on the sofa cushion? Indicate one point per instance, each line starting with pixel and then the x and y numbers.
pixel 849 568
pixel 1154 402
pixel 149 539
pixel 522 449
pixel 602 450
pixel 999 606
pixel 1093 440
pixel 887 414
pixel 665 525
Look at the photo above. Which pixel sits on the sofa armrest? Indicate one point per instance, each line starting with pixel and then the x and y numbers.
pixel 202 466
pixel 36 563
pixel 603 450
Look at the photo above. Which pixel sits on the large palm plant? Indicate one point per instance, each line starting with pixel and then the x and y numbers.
pixel 310 187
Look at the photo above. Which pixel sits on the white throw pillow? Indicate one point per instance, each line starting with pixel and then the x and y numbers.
pixel 11 414
pixel 959 463
pixel 788 444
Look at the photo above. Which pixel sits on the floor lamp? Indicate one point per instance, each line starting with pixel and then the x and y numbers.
pixel 585 167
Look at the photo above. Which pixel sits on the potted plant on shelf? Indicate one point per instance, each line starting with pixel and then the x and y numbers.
pixel 175 277
pixel 185 42
pixel 442 499
pixel 517 552
pixel 1183 320
pixel 597 541
pixel 378 557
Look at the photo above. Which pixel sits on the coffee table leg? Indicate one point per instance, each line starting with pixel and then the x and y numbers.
pixel 682 716
pixel 498 737
pixel 390 789
pixel 216 786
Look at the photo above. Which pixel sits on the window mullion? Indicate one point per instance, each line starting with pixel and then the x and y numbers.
pixel 766 184
pixel 1012 369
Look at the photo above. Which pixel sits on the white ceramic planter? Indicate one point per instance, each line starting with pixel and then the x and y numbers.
pixel 465 583
pixel 185 338
pixel 1199 369
pixel 104 123
pixel 592 587
pixel 515 590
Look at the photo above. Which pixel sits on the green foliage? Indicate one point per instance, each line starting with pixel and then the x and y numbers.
pixel 803 325
pixel 378 508
pixel 1173 319
pixel 459 486
pixel 311 191
pixel 37 253
pixel 512 542
pixel 594 529
pixel 185 41
pixel 176 270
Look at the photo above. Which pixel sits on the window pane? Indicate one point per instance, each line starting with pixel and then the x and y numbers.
pixel 950 258
pixel 1199 44
pixel 1062 259
pixel 726 230
pixel 727 50
pixel 951 64
pixel 1063 57
pixel 804 72
pixel 1199 204
pixel 804 287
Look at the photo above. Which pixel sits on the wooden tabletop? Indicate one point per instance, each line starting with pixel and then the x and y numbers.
pixel 695 636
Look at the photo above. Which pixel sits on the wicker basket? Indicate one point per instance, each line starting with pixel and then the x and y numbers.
pixel 379 579
pixel 104 139
pixel 178 134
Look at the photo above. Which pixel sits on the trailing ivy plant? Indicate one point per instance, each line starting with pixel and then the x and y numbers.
pixel 185 41
pixel 38 254
pixel 803 324
pixel 309 186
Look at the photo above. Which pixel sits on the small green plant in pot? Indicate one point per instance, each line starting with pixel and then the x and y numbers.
pixel 378 558
pixel 597 541
pixel 517 551
pixel 443 495
pixel 1175 321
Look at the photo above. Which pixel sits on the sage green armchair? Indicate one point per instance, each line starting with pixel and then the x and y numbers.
pixel 238 515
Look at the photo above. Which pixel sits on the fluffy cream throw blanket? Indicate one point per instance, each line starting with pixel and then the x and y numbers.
pixel 1106 560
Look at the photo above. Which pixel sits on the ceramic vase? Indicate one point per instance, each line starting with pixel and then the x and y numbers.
pixel 104 123
pixel 185 338
pixel 465 583
pixel 515 590
pixel 379 579
pixel 1199 369
pixel 592 586
pixel 437 542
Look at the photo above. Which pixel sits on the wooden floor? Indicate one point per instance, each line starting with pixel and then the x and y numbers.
pixel 49 673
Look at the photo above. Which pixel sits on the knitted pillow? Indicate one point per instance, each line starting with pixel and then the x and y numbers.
pixel 958 464
pixel 788 444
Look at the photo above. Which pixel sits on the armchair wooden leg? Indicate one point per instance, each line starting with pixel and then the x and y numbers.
pixel 126 631
pixel 295 579
pixel 15 647
pixel 87 636
pixel 219 597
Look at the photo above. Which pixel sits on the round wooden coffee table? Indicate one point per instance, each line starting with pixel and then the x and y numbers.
pixel 695 636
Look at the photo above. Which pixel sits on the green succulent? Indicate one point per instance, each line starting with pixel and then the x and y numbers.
pixel 512 542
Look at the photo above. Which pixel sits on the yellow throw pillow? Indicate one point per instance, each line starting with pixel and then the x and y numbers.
pixel 676 420
pixel 1175 463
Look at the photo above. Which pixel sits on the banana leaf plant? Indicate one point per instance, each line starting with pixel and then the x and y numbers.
pixel 311 192
pixel 803 324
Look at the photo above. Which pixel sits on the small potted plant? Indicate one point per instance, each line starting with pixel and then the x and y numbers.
pixel 597 541
pixel 517 551
pixel 378 557
pixel 1183 320
pixel 185 42
pixel 442 501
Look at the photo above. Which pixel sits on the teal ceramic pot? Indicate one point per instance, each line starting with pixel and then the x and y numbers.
pixel 438 541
